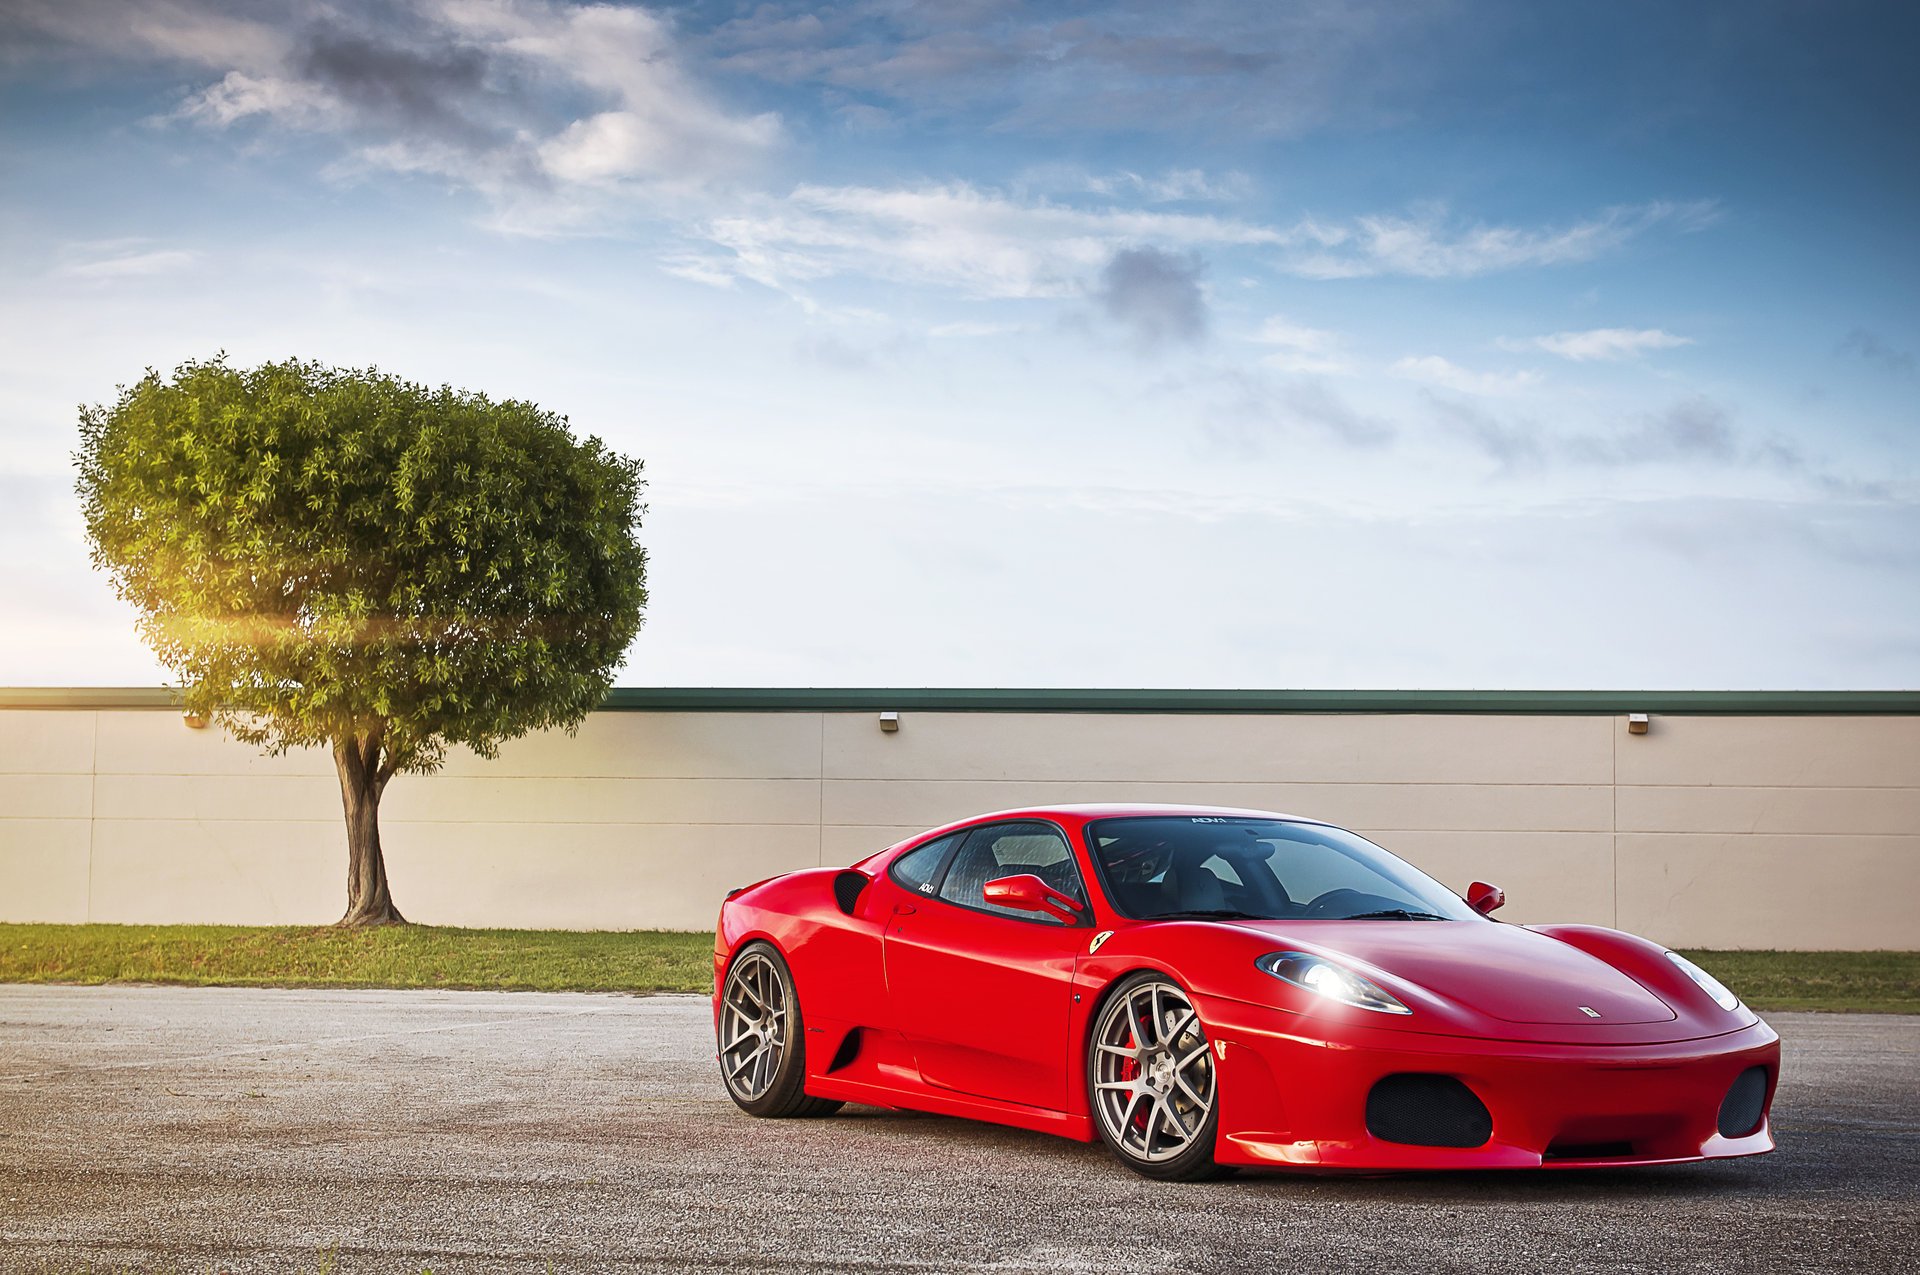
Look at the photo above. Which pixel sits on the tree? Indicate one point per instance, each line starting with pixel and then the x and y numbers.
pixel 340 558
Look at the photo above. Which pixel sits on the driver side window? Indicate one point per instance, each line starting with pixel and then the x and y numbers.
pixel 1012 849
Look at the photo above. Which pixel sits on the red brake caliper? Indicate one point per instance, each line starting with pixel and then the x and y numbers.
pixel 1131 1069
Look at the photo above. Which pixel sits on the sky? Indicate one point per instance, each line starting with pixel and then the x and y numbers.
pixel 982 344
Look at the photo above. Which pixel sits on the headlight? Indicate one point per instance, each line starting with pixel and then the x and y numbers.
pixel 1708 983
pixel 1319 975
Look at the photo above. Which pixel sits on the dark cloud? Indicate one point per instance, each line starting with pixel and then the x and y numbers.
pixel 1515 444
pixel 1155 296
pixel 1692 429
pixel 440 90
pixel 1874 350
pixel 1245 412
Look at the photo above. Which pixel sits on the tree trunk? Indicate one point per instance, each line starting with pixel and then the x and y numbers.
pixel 362 780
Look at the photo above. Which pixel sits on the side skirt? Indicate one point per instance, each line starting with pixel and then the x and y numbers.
pixel 941 1103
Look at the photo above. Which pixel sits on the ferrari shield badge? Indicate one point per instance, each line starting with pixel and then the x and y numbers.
pixel 1098 939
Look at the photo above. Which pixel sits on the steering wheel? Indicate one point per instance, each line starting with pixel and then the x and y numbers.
pixel 1340 901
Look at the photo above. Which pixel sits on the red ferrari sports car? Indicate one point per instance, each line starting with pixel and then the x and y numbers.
pixel 1205 987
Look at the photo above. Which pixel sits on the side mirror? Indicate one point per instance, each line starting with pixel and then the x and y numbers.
pixel 1484 898
pixel 1030 894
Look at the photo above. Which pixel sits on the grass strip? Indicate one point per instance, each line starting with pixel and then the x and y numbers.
pixel 1853 982
pixel 398 956
pixel 664 961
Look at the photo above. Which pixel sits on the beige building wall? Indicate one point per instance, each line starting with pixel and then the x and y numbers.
pixel 1792 831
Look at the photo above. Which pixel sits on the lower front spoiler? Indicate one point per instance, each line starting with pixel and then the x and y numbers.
pixel 1373 1156
pixel 1552 1106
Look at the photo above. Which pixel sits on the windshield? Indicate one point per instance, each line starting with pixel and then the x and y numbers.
pixel 1269 869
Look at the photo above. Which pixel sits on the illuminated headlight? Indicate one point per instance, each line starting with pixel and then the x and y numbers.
pixel 1321 976
pixel 1708 983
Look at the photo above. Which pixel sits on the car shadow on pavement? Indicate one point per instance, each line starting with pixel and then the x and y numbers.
pixel 1464 1186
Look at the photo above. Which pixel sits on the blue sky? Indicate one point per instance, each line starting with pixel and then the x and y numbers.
pixel 981 344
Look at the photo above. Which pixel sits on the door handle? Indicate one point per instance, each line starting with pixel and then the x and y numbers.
pixel 903 909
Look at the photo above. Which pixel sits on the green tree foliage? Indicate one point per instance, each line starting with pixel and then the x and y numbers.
pixel 341 558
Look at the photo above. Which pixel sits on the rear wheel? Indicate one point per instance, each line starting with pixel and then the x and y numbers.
pixel 763 1043
pixel 1151 1081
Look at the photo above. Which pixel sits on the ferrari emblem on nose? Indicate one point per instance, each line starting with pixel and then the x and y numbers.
pixel 1098 939
pixel 1589 1011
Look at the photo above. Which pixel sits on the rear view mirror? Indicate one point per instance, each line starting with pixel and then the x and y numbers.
pixel 1484 898
pixel 1030 894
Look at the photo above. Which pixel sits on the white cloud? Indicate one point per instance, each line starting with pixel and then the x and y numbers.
pixel 527 101
pixel 1599 343
pixel 628 144
pixel 985 242
pixel 123 264
pixel 570 116
pixel 1426 246
pixel 1303 350
pixel 1431 369
pixel 666 125
pixel 1181 185
pixel 696 268
pixel 972 329
pixel 189 31
pixel 240 96
pixel 977 241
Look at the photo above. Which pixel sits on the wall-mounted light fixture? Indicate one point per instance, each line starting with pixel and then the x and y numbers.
pixel 194 721
pixel 889 722
pixel 1637 723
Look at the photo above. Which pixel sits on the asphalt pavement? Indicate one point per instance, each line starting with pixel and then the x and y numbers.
pixel 279 1131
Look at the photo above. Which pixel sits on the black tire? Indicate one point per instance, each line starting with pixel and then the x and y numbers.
pixel 1131 1002
pixel 763 1043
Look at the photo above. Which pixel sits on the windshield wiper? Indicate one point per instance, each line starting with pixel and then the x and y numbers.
pixel 1225 914
pixel 1393 914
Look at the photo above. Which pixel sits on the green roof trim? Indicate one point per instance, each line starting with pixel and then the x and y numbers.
pixel 1116 700
pixel 732 699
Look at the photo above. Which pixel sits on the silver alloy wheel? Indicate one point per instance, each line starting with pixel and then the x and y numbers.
pixel 753 1025
pixel 1153 1072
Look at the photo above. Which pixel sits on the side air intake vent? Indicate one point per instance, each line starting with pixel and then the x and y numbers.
pixel 848 1051
pixel 1427 1111
pixel 847 887
pixel 1740 1110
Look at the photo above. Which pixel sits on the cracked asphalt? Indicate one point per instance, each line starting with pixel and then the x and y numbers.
pixel 252 1130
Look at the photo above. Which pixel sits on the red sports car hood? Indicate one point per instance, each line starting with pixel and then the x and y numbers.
pixel 1499 970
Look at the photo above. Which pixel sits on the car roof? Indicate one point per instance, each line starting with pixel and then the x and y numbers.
pixel 1087 811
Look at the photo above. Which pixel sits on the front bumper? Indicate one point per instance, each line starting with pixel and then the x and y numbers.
pixel 1300 1100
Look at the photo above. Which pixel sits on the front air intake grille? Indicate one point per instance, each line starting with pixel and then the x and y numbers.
pixel 1589 1151
pixel 1740 1111
pixel 1427 1111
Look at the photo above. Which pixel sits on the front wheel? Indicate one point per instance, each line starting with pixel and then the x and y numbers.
pixel 763 1042
pixel 1151 1081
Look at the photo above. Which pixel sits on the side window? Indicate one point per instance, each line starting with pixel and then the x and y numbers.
pixel 917 867
pixel 1010 849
